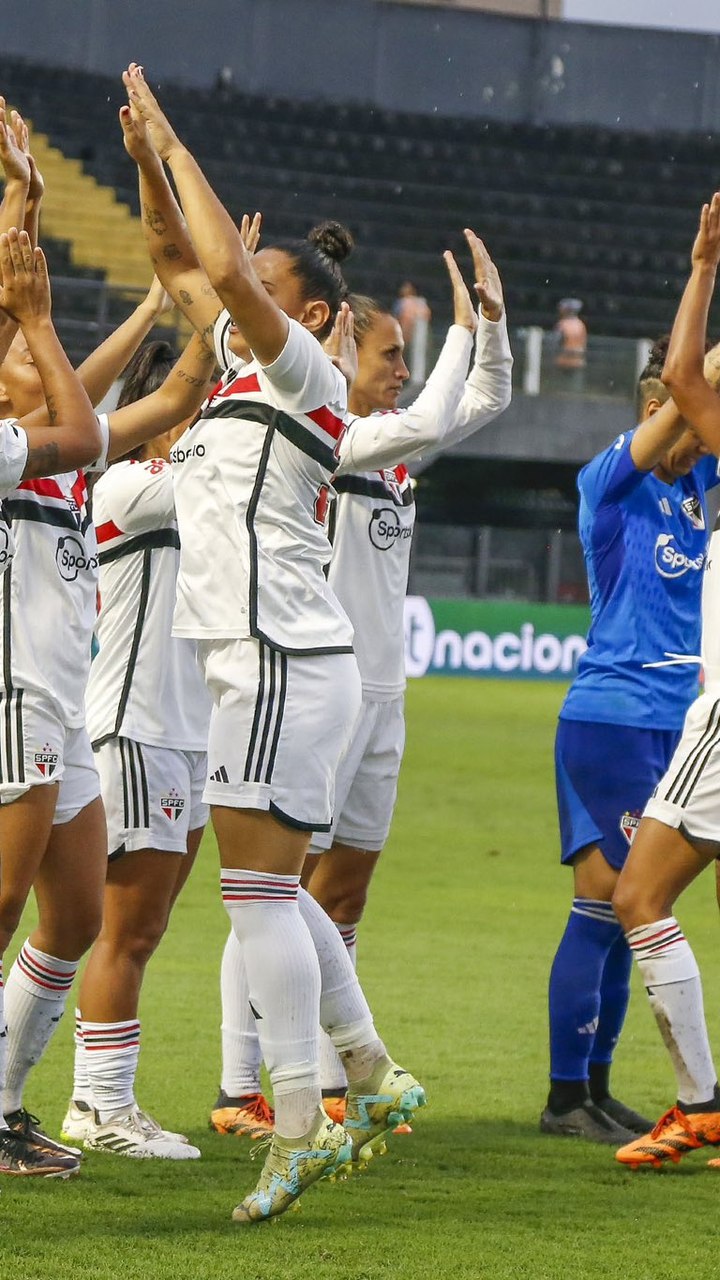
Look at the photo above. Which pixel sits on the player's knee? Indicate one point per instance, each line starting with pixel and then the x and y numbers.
pixel 635 904
pixel 143 941
pixel 11 909
pixel 346 903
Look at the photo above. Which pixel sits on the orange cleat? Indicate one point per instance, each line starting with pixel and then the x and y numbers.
pixel 673 1136
pixel 250 1116
pixel 334 1107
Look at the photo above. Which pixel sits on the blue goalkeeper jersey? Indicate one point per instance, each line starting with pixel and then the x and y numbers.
pixel 644 544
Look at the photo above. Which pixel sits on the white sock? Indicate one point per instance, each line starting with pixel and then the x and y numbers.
pixel 111 1056
pixel 35 995
pixel 81 1091
pixel 333 1080
pixel 284 984
pixel 241 1057
pixel 672 978
pixel 344 1011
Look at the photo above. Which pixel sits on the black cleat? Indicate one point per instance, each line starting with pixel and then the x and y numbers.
pixel 586 1121
pixel 20 1157
pixel 624 1116
pixel 25 1126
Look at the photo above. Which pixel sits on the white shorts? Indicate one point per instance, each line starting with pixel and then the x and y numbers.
pixel 37 749
pixel 688 796
pixel 367 778
pixel 278 728
pixel 152 795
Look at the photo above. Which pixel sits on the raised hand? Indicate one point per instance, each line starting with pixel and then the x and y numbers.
pixel 15 163
pixel 161 132
pixel 25 293
pixel 463 309
pixel 138 142
pixel 158 299
pixel 340 345
pixel 22 137
pixel 706 249
pixel 488 286
pixel 250 231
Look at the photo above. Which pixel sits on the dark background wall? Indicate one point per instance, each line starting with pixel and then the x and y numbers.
pixel 396 56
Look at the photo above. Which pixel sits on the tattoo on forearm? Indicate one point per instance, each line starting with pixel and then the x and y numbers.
pixel 208 330
pixel 188 377
pixel 155 220
pixel 171 252
pixel 186 297
pixel 52 411
pixel 208 291
pixel 43 460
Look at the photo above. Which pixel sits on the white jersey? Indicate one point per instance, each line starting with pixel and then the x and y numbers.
pixel 252 481
pixel 374 514
pixel 13 459
pixel 144 683
pixel 49 593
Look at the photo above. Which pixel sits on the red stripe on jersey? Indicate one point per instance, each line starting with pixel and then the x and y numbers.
pixel 104 532
pixel 334 426
pixel 249 383
pixel 47 488
pixel 79 491
pixel 401 473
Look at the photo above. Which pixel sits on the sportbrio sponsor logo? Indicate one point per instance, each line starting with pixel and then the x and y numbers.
pixel 671 562
pixel 72 559
pixel 524 651
pixel 183 455
pixel 386 530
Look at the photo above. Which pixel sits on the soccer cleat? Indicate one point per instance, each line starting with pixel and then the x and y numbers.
pixel 25 1126
pixel 130 1135
pixel 291 1166
pixel 624 1116
pixel 673 1136
pixel 250 1116
pixel 78 1118
pixel 20 1157
pixel 392 1099
pixel 334 1106
pixel 585 1121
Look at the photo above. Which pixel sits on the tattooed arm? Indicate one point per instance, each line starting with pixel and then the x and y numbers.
pixel 176 401
pixel 166 235
pixel 73 437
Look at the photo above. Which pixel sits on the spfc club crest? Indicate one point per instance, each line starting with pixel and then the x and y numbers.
pixel 629 824
pixel 172 805
pixel 694 512
pixel 46 761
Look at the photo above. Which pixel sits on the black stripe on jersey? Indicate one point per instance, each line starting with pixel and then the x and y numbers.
pixel 134 784
pixel 250 525
pixel 12 747
pixel 677 792
pixel 126 796
pixel 144 541
pixel 295 823
pixel 24 509
pixel 19 728
pixel 365 488
pixel 145 795
pixel 223 344
pixel 278 722
pixel 7 630
pixel 258 709
pixel 265 415
pixel 134 648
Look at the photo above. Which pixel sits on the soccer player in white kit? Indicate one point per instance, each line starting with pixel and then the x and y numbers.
pixel 148 712
pixel 679 833
pixel 374 517
pixel 252 478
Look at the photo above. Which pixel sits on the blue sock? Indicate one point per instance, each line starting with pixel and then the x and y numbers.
pixel 574 996
pixel 614 997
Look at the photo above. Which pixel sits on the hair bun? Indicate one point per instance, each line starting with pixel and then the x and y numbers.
pixel 332 239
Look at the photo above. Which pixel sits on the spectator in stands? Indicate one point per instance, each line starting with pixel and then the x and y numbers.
pixel 570 335
pixel 413 314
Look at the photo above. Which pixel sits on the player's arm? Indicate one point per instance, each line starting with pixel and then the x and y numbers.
pixel 168 242
pixel 73 437
pixel 36 187
pixel 217 240
pixel 684 371
pixel 16 181
pixel 104 365
pixel 177 400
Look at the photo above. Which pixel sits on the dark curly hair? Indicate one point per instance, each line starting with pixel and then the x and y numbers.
pixel 316 263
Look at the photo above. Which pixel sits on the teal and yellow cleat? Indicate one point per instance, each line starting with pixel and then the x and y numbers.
pixel 376 1106
pixel 291 1166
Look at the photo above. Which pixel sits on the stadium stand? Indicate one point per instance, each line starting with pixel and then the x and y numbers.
pixel 607 215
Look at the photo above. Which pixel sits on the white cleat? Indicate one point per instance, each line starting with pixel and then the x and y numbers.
pixel 129 1135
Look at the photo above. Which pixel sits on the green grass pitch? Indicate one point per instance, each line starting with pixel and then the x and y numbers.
pixel 466 910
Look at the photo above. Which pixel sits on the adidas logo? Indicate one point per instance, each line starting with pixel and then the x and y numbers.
pixel 220 775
